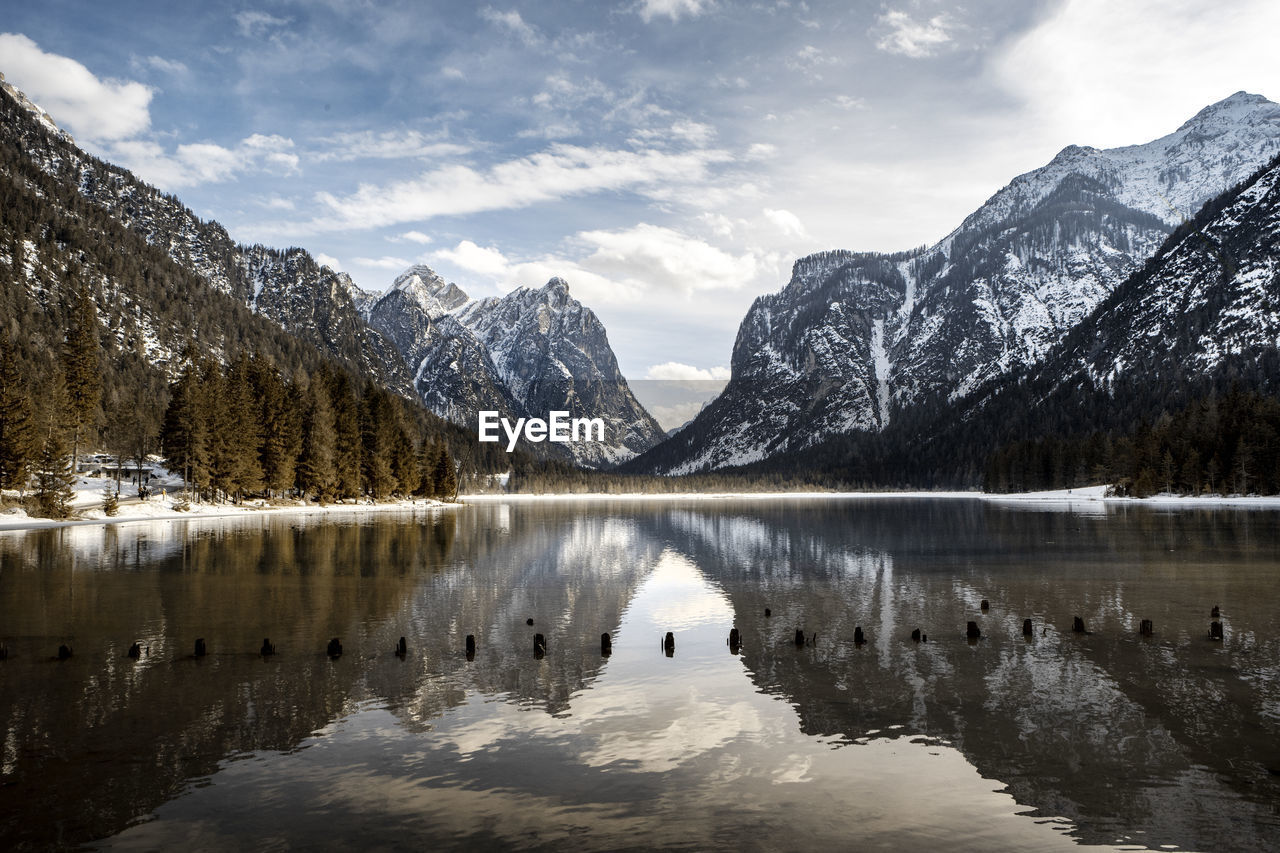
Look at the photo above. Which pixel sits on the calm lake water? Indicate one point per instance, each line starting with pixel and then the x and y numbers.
pixel 1009 743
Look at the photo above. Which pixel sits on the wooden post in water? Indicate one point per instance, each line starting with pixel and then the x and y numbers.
pixel 669 643
pixel 1027 630
pixel 334 649
pixel 606 644
pixel 767 613
pixel 201 649
pixel 135 651
pixel 972 631
pixel 268 647
pixel 4 652
pixel 859 638
pixel 799 637
pixel 915 635
pixel 64 651
pixel 529 621
pixel 1077 626
pixel 402 648
pixel 986 605
pixel 539 645
pixel 1215 630
pixel 735 640
pixel 1215 612
pixel 1147 628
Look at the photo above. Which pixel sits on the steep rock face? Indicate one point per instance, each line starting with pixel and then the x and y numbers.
pixel 290 287
pixel 523 354
pixel 1211 295
pixel 855 338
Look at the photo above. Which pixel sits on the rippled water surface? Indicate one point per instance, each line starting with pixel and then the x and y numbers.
pixel 1044 742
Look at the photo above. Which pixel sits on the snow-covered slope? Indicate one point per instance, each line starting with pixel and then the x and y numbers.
pixel 523 354
pixel 855 338
pixel 290 287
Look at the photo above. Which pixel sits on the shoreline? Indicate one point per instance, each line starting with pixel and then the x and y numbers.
pixel 10 521
pixel 1091 497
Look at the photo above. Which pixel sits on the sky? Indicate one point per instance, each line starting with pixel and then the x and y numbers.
pixel 669 158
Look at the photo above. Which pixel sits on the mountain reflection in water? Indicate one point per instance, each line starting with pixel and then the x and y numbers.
pixel 1052 741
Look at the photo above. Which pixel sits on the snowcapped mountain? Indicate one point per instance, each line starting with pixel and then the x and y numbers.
pixel 523 354
pixel 291 288
pixel 1209 298
pixel 856 339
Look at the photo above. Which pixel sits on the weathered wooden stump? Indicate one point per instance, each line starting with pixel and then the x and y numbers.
pixel 972 631
pixel 201 648
pixel 268 647
pixel 1215 630
pixel 606 644
pixel 799 637
pixel 539 645
pixel 735 639
pixel 1077 626
pixel 1216 612
pixel 986 605
pixel 915 635
pixel 1147 628
pixel 1027 630
pixel 669 642
pixel 64 651
pixel 767 613
pixel 471 645
pixel 529 621
pixel 135 651
pixel 859 638
pixel 334 649
pixel 402 647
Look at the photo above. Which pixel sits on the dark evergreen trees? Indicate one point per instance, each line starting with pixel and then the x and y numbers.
pixel 18 445
pixel 82 367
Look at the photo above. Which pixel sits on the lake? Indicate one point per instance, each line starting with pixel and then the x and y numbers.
pixel 1049 741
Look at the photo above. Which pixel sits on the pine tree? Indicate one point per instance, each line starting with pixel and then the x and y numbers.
pixel 280 427
pixel 236 434
pixel 317 473
pixel 446 477
pixel 53 475
pixel 17 430
pixel 82 368
pixel 184 437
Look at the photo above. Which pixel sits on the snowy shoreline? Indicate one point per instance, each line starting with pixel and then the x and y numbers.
pixel 162 510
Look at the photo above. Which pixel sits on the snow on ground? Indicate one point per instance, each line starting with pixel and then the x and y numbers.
pixel 165 496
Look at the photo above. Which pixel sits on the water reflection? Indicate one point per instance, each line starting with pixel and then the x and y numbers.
pixel 1108 737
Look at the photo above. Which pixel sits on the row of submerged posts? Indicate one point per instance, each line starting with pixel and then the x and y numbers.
pixel 973 633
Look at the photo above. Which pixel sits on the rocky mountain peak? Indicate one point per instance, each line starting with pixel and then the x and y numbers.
pixel 431 292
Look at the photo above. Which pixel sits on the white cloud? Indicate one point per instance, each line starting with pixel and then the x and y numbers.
pixel 387 145
pixel 673 9
pixel 561 171
pixel 451 73
pixel 172 67
pixel 809 59
pixel 786 222
pixel 483 260
pixel 652 257
pixel 675 371
pixel 513 23
pixel 254 24
pixel 275 202
pixel 204 162
pixel 1106 74
pixel 329 261
pixel 386 262
pixel 908 37
pixel 95 109
pixel 413 237
pixel 845 102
